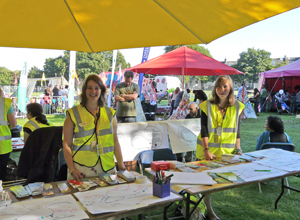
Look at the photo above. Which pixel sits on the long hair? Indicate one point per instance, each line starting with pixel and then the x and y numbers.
pixel 96 79
pixel 276 124
pixel 230 98
pixel 255 91
pixel 177 90
pixel 36 110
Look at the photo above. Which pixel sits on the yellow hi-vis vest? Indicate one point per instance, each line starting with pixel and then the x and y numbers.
pixel 33 124
pixel 229 127
pixel 85 133
pixel 5 134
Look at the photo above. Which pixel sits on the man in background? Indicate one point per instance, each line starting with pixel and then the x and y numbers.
pixel 263 96
pixel 194 111
pixel 64 93
pixel 125 94
pixel 240 91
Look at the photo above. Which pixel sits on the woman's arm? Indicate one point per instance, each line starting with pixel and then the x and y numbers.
pixel 204 137
pixel 26 135
pixel 11 120
pixel 118 152
pixel 67 144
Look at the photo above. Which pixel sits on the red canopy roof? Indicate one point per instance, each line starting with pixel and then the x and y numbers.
pixel 187 61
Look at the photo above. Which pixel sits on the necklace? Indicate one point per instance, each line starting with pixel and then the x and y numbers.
pixel 221 108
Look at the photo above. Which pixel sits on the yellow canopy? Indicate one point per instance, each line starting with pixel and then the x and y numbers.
pixel 100 25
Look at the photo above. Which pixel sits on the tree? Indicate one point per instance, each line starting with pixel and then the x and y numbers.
pixel 86 63
pixel 198 48
pixel 7 77
pixel 253 62
pixel 56 66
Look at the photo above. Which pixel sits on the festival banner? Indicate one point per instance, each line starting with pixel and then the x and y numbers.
pixel 22 89
pixel 144 58
pixel 72 78
pixel 112 76
pixel 16 79
pixel 248 111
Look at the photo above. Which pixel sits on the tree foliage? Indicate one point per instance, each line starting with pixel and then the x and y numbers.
pixel 7 77
pixel 198 48
pixel 251 63
pixel 86 63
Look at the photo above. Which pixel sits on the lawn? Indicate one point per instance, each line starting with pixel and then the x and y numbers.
pixel 246 202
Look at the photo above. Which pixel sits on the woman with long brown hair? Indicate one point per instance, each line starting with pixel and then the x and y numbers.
pixel 94 127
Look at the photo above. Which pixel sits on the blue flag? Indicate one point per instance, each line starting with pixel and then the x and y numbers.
pixel 144 58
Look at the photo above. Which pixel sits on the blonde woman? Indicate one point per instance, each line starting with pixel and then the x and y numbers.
pixel 220 127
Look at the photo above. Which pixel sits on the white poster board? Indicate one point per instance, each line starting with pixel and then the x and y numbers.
pixel 62 207
pixel 118 198
pixel 183 134
pixel 136 137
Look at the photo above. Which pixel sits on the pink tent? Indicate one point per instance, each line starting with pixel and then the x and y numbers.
pixel 284 77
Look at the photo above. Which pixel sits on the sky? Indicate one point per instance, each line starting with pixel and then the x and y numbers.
pixel 279 35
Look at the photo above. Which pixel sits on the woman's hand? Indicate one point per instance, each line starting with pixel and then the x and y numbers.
pixel 121 166
pixel 76 175
pixel 208 155
pixel 238 151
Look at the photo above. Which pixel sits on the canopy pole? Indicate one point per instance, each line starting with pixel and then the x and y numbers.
pixel 182 74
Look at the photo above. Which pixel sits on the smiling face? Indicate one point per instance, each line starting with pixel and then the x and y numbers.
pixel 93 91
pixel 223 89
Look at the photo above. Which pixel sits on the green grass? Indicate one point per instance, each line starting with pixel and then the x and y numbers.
pixel 246 202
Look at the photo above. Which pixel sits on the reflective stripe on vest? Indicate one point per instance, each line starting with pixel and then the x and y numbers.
pixel 33 124
pixel 4 138
pixel 2 111
pixel 225 130
pixel 84 133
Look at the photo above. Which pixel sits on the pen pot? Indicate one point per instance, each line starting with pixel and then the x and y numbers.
pixel 161 191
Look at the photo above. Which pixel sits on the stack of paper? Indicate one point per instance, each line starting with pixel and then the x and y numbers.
pixel 36 188
pixel 19 191
pixel 174 164
pixel 247 157
pixel 231 158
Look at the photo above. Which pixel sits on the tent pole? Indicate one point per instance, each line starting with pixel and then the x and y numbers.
pixel 182 74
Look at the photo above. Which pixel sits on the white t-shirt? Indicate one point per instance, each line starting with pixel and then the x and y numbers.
pixel 64 92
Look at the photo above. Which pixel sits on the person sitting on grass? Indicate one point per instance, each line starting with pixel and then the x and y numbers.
pixel 274 132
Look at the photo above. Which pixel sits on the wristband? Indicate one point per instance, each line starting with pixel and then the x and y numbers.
pixel 72 171
pixel 206 149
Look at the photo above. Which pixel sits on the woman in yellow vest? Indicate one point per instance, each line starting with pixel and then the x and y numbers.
pixel 7 122
pixel 220 127
pixel 36 119
pixel 94 127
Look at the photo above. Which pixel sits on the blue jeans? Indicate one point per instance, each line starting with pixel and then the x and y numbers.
pixel 262 104
pixel 256 107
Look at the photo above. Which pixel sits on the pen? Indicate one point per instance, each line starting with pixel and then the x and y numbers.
pixel 262 170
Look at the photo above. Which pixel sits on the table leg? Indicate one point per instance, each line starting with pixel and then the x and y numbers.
pixel 187 208
pixel 282 191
